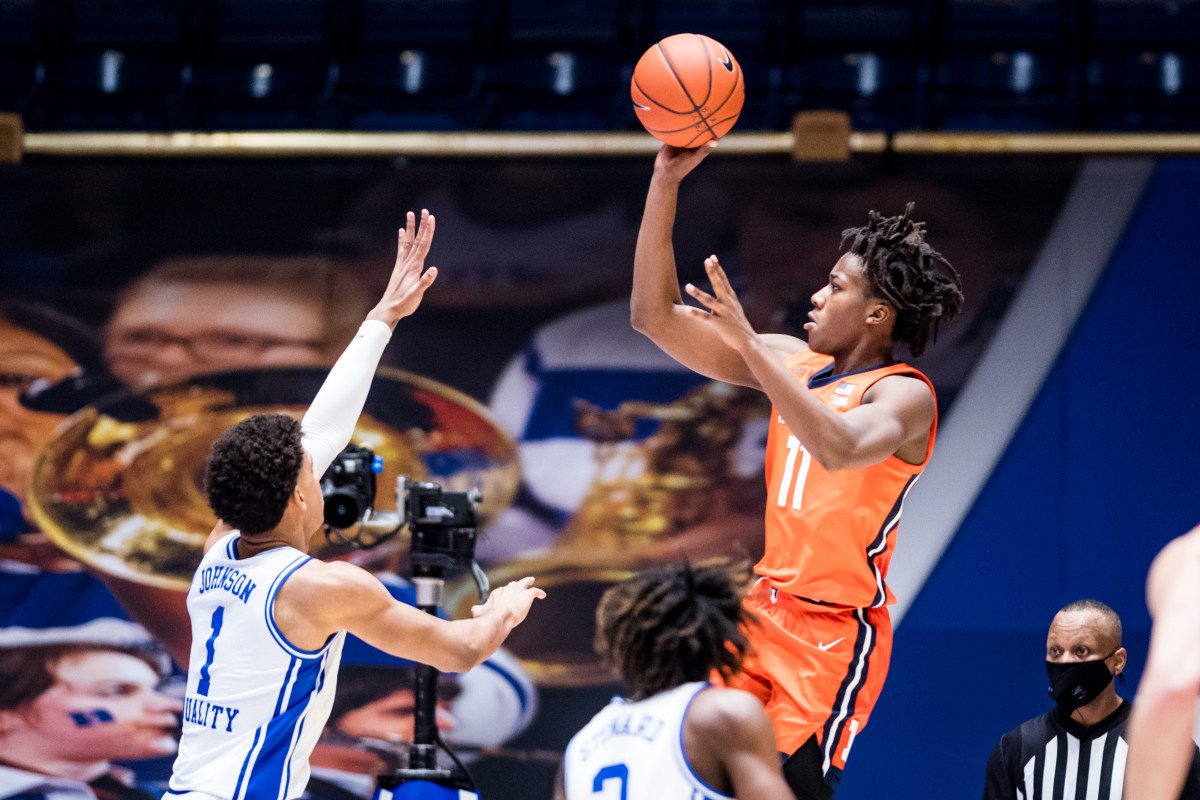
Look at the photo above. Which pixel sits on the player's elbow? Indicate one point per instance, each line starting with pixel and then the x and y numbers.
pixel 833 457
pixel 641 317
pixel 652 320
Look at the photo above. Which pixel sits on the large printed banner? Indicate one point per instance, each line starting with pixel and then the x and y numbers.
pixel 147 305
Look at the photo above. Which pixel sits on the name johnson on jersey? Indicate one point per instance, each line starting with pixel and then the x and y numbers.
pixel 234 581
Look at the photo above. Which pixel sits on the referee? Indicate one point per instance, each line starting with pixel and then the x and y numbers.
pixel 1076 750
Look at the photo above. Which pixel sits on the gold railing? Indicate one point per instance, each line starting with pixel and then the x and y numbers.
pixel 830 138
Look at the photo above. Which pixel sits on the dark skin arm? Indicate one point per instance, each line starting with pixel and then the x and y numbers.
pixel 657 308
pixel 716 340
pixel 894 417
pixel 730 744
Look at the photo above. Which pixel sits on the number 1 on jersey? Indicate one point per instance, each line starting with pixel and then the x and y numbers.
pixel 787 485
pixel 218 618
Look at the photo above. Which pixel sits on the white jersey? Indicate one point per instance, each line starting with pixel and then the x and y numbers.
pixel 255 703
pixel 634 751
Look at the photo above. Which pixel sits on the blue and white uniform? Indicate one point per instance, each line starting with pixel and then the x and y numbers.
pixel 634 750
pixel 255 703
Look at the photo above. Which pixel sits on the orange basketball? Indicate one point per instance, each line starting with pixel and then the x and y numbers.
pixel 688 89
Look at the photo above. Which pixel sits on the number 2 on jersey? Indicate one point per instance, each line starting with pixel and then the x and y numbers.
pixel 788 485
pixel 218 618
pixel 617 772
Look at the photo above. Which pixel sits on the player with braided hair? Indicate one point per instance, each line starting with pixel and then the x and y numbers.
pixel 851 429
pixel 666 630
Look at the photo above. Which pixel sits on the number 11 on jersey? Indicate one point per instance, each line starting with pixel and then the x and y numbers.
pixel 791 486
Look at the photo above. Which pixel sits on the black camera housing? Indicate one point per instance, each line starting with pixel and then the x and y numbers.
pixel 444 525
pixel 348 487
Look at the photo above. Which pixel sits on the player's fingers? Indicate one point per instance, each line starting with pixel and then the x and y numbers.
pixel 701 295
pixel 717 276
pixel 425 231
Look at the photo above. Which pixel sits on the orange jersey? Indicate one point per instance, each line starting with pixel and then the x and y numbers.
pixel 830 535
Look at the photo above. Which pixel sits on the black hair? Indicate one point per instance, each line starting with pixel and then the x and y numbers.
pixel 253 470
pixel 1087 604
pixel 70 335
pixel 674 624
pixel 903 270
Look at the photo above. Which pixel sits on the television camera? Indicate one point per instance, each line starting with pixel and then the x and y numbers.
pixel 443 529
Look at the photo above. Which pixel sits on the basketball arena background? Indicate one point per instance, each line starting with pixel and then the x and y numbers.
pixel 1067 442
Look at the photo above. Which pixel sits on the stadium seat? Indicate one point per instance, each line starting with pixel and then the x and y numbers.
pixel 1006 65
pixel 866 58
pixel 1142 65
pixel 116 65
pixel 560 64
pixel 413 65
pixel 21 37
pixel 264 64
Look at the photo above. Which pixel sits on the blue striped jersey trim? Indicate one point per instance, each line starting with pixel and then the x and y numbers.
pixel 271 772
pixel 269 615
pixel 252 756
pixel 701 787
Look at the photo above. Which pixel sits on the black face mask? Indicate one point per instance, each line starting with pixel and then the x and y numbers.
pixel 1074 685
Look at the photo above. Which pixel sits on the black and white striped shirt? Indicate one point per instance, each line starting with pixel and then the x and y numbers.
pixel 1052 757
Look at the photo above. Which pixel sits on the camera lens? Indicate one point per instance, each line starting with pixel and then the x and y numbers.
pixel 341 509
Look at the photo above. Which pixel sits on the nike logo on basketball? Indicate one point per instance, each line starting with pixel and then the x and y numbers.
pixel 823 646
pixel 725 60
pixel 642 107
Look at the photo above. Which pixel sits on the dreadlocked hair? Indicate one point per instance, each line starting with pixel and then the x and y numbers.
pixel 907 273
pixel 674 624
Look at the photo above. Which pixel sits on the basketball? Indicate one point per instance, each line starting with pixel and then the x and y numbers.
pixel 687 89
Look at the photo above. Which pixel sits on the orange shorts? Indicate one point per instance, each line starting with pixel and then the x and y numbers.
pixel 817 669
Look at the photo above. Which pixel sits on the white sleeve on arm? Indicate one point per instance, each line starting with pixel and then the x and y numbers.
pixel 329 422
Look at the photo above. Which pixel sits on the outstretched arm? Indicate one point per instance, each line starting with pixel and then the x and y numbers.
pixel 1164 714
pixel 322 598
pixel 330 420
pixel 657 308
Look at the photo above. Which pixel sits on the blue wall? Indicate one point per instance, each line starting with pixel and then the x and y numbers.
pixel 1102 473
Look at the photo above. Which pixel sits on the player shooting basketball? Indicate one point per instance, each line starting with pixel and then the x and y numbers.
pixel 851 430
